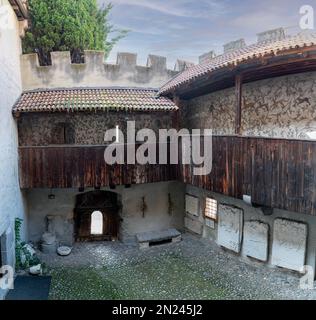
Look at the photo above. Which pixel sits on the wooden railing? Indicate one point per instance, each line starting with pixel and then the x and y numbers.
pixel 276 173
pixel 83 166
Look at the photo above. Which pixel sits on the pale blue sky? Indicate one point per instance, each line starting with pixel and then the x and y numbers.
pixel 186 29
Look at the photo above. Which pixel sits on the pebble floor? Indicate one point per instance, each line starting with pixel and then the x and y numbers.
pixel 192 269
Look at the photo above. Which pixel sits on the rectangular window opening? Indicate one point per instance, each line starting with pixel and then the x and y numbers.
pixel 211 209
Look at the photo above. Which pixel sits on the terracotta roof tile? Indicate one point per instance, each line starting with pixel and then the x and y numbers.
pixel 304 39
pixel 100 99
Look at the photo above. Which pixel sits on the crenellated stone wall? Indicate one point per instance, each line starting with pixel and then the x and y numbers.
pixel 282 107
pixel 95 72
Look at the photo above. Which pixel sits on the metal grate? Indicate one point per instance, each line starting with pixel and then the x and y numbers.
pixel 211 209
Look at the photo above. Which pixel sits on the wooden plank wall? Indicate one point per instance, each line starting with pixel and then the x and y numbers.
pixel 277 173
pixel 83 166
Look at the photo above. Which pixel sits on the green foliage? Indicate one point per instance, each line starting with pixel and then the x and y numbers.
pixel 73 25
pixel 18 244
pixel 23 258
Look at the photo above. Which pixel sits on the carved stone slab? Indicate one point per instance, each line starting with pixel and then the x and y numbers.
pixel 256 239
pixel 289 244
pixel 193 225
pixel 230 224
pixel 192 205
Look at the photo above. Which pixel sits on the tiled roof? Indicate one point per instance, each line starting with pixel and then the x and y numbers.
pixel 101 99
pixel 233 58
pixel 20 8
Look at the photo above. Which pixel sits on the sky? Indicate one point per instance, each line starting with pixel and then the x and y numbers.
pixel 185 29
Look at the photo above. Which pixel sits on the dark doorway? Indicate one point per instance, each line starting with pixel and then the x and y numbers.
pixel 96 216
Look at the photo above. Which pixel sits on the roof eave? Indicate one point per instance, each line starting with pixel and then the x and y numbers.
pixel 304 53
pixel 20 9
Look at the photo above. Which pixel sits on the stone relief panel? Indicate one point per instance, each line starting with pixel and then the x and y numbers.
pixel 256 240
pixel 192 205
pixel 193 225
pixel 289 244
pixel 230 226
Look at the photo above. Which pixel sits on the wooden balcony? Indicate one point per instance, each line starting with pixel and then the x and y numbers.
pixel 277 173
pixel 83 166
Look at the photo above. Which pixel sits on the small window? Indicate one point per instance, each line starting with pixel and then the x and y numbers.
pixel 96 223
pixel 63 133
pixel 211 209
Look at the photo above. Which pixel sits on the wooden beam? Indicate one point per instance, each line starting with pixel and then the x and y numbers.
pixel 238 88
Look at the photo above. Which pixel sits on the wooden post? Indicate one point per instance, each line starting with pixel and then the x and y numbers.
pixel 176 116
pixel 238 88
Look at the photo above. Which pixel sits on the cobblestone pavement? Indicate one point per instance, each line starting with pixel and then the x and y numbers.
pixel 192 269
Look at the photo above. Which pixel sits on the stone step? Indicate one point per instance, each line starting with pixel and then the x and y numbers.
pixel 146 238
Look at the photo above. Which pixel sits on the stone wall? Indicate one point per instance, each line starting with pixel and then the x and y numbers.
pixel 281 107
pixel 86 128
pixel 213 111
pixel 11 203
pixel 160 213
pixel 259 238
pixel 95 72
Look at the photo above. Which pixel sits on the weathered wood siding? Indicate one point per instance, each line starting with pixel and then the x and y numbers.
pixel 83 166
pixel 276 173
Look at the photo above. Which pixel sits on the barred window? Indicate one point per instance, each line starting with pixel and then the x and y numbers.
pixel 211 209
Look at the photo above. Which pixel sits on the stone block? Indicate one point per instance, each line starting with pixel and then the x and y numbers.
pixel 146 238
pixel 62 228
pixel 230 224
pixel 256 237
pixel 192 205
pixel 206 57
pixel 289 244
pixel 49 248
pixel 193 225
pixel 158 235
pixel 126 59
pixel 271 35
pixel 210 223
pixel 177 239
pixel 182 65
pixel 234 45
pixel 157 62
pixel 143 245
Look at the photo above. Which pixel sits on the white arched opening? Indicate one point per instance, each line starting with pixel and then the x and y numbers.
pixel 96 223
